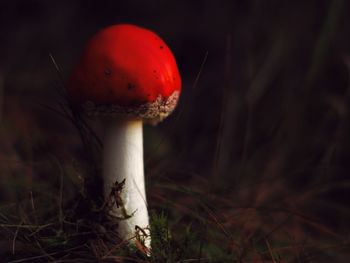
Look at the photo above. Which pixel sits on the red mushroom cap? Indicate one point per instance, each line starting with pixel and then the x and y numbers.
pixel 126 69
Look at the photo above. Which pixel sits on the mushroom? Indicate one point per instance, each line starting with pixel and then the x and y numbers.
pixel 125 76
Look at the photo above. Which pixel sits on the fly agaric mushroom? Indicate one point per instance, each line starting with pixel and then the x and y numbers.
pixel 127 75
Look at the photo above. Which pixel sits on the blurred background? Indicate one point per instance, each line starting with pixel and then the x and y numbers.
pixel 267 122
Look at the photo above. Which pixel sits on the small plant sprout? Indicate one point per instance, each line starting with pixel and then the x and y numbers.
pixel 125 76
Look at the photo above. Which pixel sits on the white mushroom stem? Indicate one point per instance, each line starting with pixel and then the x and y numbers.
pixel 123 159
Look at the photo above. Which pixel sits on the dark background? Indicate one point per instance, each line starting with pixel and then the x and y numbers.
pixel 270 110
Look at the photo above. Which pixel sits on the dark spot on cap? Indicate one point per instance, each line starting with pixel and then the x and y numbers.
pixel 130 86
pixel 107 71
pixel 154 71
pixel 164 101
pixel 148 95
pixel 161 47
